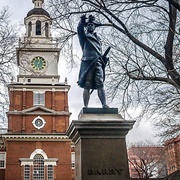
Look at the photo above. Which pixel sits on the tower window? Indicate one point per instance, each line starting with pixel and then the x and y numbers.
pixel 29 80
pixel 29 29
pixel 39 98
pixel 38 27
pixel 46 29
pixel 2 160
pixel 73 160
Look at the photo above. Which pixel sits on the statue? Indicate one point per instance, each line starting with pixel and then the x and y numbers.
pixel 93 63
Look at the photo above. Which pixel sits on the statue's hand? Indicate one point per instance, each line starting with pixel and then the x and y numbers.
pixel 83 18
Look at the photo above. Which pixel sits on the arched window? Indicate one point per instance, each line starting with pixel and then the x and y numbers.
pixel 46 29
pixel 38 27
pixel 29 29
pixel 38 166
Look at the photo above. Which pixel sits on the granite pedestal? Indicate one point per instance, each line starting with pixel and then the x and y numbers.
pixel 100 147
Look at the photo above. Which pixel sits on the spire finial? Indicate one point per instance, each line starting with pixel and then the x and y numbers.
pixel 38 3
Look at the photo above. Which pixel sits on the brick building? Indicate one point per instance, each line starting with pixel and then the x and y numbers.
pixel 147 162
pixel 172 148
pixel 36 145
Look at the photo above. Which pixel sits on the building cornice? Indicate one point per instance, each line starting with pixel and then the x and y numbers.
pixel 35 137
pixel 39 49
pixel 43 76
pixel 30 86
pixel 55 113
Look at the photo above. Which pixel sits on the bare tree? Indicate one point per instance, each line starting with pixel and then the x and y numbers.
pixel 145 57
pixel 175 3
pixel 146 161
pixel 7 59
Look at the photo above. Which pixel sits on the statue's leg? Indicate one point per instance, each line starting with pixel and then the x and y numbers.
pixel 86 92
pixel 86 96
pixel 99 83
pixel 101 95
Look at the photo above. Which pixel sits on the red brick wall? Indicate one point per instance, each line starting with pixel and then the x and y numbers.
pixel 2 174
pixel 23 149
pixel 22 123
pixel 19 124
pixel 20 100
pixel 173 155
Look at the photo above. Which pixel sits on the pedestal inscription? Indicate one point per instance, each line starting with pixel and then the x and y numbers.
pixel 105 171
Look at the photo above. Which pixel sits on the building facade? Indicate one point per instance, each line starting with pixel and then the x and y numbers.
pixel 36 146
pixel 147 162
pixel 172 148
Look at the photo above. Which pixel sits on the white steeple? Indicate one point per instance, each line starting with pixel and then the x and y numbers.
pixel 38 53
pixel 38 3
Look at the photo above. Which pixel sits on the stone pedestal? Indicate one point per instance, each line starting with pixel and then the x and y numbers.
pixel 100 147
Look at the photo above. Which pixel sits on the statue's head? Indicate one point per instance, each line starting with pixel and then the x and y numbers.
pixel 90 24
pixel 91 19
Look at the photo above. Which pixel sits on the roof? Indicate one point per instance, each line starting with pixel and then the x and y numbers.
pixel 147 179
pixel 35 0
pixel 174 176
pixel 38 11
pixel 173 140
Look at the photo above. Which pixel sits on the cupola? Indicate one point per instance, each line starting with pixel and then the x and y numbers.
pixel 38 10
pixel 37 21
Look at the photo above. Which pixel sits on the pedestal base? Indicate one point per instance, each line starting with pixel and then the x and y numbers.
pixel 100 147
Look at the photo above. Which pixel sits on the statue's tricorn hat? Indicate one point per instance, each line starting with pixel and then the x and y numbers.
pixel 91 19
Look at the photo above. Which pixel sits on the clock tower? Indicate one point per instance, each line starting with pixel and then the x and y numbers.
pixel 36 145
pixel 38 53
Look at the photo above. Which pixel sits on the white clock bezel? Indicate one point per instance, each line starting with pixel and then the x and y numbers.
pixel 38 71
pixel 38 118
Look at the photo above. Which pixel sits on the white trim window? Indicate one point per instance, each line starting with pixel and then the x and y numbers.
pixel 39 98
pixel 26 172
pixel 2 160
pixel 73 160
pixel 35 166
pixel 50 172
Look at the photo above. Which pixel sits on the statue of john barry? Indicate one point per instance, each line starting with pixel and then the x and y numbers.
pixel 93 63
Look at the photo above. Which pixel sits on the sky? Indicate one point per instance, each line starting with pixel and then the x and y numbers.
pixel 18 10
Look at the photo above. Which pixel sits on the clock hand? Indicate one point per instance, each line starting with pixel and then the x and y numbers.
pixel 38 63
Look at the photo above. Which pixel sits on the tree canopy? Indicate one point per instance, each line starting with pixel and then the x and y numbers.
pixel 8 40
pixel 147 160
pixel 145 57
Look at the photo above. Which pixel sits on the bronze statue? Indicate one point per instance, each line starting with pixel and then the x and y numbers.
pixel 92 70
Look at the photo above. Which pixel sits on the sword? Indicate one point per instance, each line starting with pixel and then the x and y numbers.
pixel 105 59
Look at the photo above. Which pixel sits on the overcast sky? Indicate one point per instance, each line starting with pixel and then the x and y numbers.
pixel 18 10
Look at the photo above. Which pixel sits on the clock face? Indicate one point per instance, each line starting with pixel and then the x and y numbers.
pixel 38 63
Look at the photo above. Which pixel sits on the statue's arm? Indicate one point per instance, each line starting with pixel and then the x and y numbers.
pixel 81 32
